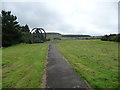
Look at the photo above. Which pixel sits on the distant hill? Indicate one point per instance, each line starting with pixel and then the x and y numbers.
pixel 76 36
pixel 53 33
pixel 53 36
pixel 58 36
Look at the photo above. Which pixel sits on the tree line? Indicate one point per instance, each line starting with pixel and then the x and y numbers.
pixel 14 33
pixel 111 37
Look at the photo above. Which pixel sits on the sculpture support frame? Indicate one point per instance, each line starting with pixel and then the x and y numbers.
pixel 42 37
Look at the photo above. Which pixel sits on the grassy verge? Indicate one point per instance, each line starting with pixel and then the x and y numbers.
pixel 23 65
pixel 96 61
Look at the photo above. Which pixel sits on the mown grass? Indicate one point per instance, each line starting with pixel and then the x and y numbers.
pixel 96 61
pixel 23 65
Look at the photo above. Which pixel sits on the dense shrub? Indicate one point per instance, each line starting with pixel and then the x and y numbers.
pixel 111 37
pixel 26 34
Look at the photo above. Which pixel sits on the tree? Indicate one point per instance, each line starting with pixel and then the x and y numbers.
pixel 10 33
pixel 26 35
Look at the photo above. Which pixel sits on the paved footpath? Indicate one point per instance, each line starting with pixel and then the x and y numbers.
pixel 59 74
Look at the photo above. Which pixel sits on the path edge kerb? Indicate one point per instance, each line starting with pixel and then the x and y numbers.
pixel 44 84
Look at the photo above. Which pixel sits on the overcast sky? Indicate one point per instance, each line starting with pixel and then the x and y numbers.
pixel 93 17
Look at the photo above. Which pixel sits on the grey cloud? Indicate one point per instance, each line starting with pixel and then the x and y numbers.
pixel 101 20
pixel 34 14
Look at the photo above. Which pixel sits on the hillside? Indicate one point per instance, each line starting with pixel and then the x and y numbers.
pixel 58 36
pixel 53 36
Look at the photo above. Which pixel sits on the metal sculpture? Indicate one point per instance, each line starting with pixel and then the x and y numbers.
pixel 39 35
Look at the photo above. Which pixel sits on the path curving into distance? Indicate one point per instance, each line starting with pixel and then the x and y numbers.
pixel 59 74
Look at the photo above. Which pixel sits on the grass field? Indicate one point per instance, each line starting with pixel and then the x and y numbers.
pixel 23 65
pixel 96 61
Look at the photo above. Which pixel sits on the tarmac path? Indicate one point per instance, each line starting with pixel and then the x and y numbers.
pixel 58 72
